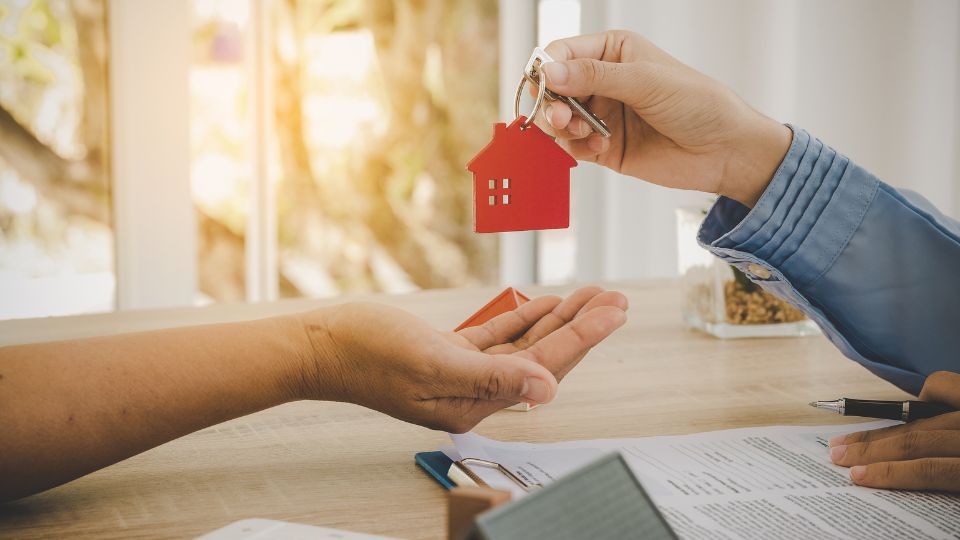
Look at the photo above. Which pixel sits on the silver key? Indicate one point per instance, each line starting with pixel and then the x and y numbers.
pixel 531 70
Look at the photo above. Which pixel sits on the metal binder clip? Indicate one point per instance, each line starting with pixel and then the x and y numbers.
pixel 463 466
pixel 532 72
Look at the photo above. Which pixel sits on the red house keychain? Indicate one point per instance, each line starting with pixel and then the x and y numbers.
pixel 521 181
pixel 521 178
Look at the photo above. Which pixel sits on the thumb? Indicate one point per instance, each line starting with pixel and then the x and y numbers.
pixel 628 83
pixel 505 378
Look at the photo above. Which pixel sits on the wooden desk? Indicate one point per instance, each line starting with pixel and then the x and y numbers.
pixel 343 466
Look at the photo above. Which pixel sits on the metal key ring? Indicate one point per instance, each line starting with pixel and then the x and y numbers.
pixel 541 92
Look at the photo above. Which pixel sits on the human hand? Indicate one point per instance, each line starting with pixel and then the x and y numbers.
pixel 670 124
pixel 388 360
pixel 923 454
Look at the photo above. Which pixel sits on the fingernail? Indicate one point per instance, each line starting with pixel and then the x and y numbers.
pixel 835 440
pixel 556 73
pixel 837 452
pixel 548 113
pixel 535 390
pixel 857 473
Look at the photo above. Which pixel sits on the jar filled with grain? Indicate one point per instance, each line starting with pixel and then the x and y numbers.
pixel 721 300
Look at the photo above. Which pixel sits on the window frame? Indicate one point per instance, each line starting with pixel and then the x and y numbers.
pixel 156 255
pixel 154 221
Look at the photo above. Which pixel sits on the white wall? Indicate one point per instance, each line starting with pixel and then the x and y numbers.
pixel 878 80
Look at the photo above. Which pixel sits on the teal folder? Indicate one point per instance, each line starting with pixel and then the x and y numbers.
pixel 436 464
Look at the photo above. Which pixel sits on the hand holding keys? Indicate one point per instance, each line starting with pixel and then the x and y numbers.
pixel 532 72
pixel 521 179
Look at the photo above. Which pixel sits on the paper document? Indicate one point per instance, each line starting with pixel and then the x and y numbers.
pixel 268 529
pixel 769 482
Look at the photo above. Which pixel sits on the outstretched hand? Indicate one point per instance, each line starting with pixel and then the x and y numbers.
pixel 923 454
pixel 72 407
pixel 386 359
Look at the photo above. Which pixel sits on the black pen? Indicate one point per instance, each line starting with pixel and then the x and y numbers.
pixel 905 411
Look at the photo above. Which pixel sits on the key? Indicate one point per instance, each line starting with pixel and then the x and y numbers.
pixel 531 71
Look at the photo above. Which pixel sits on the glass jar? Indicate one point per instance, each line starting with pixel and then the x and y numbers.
pixel 721 300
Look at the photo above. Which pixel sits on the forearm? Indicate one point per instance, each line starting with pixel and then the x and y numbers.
pixel 72 407
pixel 69 408
pixel 757 149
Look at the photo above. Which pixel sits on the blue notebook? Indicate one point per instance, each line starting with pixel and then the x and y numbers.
pixel 436 464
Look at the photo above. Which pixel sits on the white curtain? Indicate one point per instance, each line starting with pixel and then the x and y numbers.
pixel 878 80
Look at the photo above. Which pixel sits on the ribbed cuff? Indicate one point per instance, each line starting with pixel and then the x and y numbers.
pixel 803 220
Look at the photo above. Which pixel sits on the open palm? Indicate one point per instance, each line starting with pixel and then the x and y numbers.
pixel 394 362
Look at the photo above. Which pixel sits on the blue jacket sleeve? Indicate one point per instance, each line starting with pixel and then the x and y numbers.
pixel 878 269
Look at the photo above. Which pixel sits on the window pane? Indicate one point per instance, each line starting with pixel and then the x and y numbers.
pixel 56 241
pixel 220 125
pixel 370 127
pixel 374 123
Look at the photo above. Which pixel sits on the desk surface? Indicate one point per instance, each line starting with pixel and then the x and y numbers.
pixel 342 466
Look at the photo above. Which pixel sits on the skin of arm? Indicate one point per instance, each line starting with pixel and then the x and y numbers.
pixel 676 127
pixel 73 407
pixel 69 408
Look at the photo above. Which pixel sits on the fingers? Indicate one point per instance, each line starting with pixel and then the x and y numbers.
pixel 942 474
pixel 558 115
pixel 566 126
pixel 562 349
pixel 581 301
pixel 606 298
pixel 588 149
pixel 561 314
pixel 587 46
pixel 472 385
pixel 910 445
pixel 924 454
pixel 486 377
pixel 589 77
pixel 507 326
pixel 595 64
pixel 944 421
pixel 942 387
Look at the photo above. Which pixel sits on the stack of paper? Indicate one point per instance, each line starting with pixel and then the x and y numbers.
pixel 771 482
